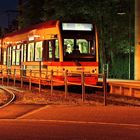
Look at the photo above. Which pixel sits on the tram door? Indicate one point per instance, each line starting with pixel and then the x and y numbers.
pixel 50 50
pixel 53 50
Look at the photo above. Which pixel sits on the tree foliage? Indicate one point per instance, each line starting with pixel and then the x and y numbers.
pixel 74 10
pixel 32 12
pixel 116 32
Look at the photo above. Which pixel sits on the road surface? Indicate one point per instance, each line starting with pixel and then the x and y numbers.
pixel 65 122
pixel 43 130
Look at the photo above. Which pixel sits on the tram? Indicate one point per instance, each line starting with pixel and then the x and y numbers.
pixel 50 46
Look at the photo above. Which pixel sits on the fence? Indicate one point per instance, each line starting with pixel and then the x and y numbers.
pixel 42 77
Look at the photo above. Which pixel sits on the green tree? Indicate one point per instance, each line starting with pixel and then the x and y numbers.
pixel 116 32
pixel 32 12
pixel 74 10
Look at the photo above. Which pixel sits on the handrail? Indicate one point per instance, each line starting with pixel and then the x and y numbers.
pixel 49 76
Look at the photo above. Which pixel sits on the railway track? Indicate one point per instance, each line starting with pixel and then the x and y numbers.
pixel 9 95
pixel 74 96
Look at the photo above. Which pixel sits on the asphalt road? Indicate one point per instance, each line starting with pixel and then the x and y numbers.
pixel 63 122
pixel 43 130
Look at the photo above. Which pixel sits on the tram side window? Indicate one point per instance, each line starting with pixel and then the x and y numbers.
pixel 56 49
pixel 9 56
pixel 4 57
pixel 13 55
pixel 24 52
pixel 18 55
pixel 50 50
pixel 31 52
pixel 38 51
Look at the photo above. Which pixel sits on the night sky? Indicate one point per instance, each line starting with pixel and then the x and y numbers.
pixel 7 5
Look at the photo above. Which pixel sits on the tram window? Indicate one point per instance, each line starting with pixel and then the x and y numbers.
pixel 18 55
pixel 24 52
pixel 83 46
pixel 31 52
pixel 4 57
pixel 69 43
pixel 53 47
pixel 38 51
pixel 50 50
pixel 9 56
pixel 56 49
pixel 13 55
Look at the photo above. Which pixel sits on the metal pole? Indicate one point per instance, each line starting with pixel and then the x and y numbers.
pixel 7 77
pixel 21 73
pixel 30 80
pixel 83 86
pixel 39 76
pixel 129 37
pixel 104 85
pixel 66 84
pixel 14 77
pixel 51 82
pixel 2 76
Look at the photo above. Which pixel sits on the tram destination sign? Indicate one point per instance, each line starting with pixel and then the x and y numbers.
pixel 77 26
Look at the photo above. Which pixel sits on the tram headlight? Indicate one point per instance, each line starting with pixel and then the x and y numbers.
pixel 94 71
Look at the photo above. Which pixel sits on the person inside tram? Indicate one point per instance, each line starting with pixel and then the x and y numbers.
pixel 76 50
pixel 66 50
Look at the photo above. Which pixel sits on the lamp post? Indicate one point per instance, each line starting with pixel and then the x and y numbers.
pixel 121 13
pixel 129 35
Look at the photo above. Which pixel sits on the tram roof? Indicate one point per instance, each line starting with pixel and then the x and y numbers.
pixel 47 24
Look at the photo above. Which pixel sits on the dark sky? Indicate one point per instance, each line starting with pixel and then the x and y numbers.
pixel 7 5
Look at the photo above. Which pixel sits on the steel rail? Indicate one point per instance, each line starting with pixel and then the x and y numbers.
pixel 11 100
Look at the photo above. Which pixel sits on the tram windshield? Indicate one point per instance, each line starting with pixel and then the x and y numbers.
pixel 79 42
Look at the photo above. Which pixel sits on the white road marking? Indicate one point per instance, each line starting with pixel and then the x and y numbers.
pixel 71 122
pixel 32 112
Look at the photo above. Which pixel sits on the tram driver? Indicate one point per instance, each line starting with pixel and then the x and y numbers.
pixel 76 50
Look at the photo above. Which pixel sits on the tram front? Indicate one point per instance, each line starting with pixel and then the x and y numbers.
pixel 80 51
